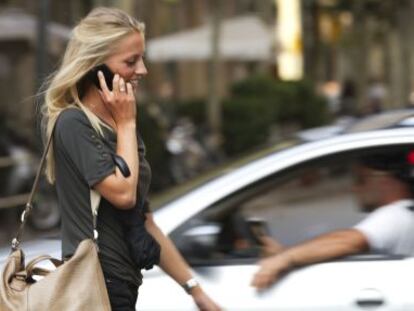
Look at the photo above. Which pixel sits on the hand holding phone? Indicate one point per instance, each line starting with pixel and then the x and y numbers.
pixel 117 95
pixel 92 76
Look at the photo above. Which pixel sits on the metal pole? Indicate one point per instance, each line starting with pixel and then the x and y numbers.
pixel 41 62
pixel 42 42
pixel 213 104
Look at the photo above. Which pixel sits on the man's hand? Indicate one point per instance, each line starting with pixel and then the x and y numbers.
pixel 203 302
pixel 269 246
pixel 270 271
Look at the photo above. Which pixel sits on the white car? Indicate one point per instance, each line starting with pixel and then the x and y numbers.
pixel 294 193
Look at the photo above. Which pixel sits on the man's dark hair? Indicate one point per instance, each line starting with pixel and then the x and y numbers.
pixel 399 163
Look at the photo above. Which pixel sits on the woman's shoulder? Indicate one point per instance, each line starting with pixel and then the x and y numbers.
pixel 71 117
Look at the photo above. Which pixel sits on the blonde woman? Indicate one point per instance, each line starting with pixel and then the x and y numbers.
pixel 95 128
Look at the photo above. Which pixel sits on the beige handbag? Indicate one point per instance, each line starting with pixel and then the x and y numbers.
pixel 75 285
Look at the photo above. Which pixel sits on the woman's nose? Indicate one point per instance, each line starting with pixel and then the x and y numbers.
pixel 141 69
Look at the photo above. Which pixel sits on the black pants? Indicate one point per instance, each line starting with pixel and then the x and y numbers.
pixel 122 295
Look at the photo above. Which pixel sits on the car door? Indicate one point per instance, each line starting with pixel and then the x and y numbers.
pixel 295 204
pixel 376 284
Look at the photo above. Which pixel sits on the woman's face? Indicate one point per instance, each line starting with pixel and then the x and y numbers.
pixel 127 60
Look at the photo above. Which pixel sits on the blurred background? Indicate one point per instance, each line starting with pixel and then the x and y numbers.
pixel 225 79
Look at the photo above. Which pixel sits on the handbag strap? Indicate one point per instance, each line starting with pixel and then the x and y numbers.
pixel 95 198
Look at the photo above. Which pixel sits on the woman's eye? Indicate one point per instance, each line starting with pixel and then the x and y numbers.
pixel 133 62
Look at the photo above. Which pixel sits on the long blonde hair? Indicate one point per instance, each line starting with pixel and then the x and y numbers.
pixel 91 42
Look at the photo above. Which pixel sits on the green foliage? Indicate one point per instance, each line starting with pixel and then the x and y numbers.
pixel 287 101
pixel 156 154
pixel 246 123
pixel 194 109
pixel 257 104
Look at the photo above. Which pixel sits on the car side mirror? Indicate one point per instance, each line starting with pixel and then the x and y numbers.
pixel 199 242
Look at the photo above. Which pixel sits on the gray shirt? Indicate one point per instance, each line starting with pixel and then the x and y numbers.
pixel 82 159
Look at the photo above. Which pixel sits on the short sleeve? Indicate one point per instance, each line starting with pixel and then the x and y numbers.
pixel 83 147
pixel 380 229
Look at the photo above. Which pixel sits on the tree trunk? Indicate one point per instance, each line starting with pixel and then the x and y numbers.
pixel 360 53
pixel 310 39
pixel 405 25
pixel 213 104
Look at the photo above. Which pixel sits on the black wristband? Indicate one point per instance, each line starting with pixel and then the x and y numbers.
pixel 122 165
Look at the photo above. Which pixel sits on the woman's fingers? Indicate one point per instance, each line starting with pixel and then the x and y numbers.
pixel 119 89
pixel 115 85
pixel 130 90
pixel 102 83
pixel 120 101
pixel 102 94
pixel 122 85
pixel 118 85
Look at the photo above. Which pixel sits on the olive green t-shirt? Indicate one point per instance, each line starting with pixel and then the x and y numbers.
pixel 82 159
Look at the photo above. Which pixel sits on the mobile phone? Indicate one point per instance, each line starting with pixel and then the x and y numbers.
pixel 92 76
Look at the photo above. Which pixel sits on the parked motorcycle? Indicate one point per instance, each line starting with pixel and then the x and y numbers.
pixel 18 166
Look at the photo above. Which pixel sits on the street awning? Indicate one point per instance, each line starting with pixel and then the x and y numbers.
pixel 245 38
pixel 17 25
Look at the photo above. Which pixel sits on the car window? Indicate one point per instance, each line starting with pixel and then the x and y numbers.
pixel 178 191
pixel 289 206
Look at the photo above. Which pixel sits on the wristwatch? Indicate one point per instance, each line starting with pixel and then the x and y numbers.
pixel 189 285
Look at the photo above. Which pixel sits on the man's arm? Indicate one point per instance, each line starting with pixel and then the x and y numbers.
pixel 176 267
pixel 325 247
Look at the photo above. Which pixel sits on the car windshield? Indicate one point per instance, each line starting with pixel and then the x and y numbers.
pixel 177 191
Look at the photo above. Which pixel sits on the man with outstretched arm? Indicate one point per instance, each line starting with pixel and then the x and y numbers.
pixel 384 187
